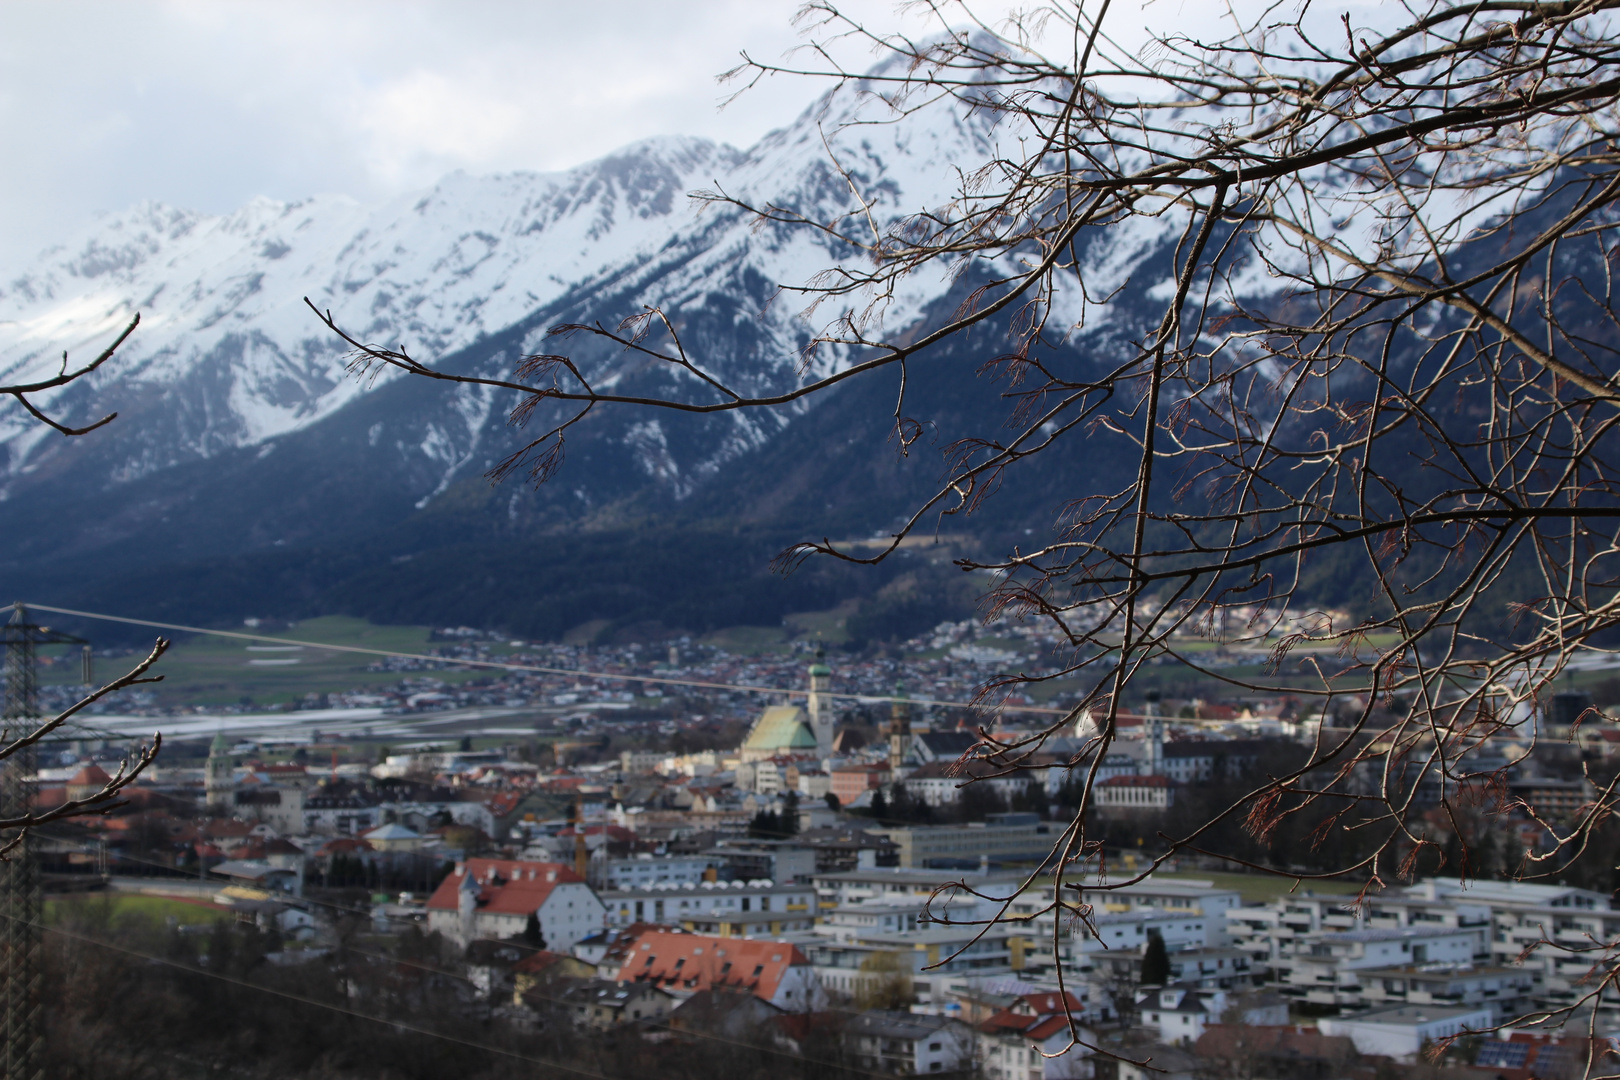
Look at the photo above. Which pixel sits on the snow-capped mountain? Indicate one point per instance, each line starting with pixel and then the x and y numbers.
pixel 228 356
pixel 268 479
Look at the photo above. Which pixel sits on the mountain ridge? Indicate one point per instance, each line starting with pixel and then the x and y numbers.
pixel 242 436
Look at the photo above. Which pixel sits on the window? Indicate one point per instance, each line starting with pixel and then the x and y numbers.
pixel 933 1046
pixel 935 1066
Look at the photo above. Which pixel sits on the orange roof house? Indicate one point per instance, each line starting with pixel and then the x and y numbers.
pixel 86 782
pixel 1047 1020
pixel 493 898
pixel 684 964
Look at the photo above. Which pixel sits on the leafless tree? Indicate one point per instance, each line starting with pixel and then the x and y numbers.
pixel 14 738
pixel 23 733
pixel 63 377
pixel 1371 335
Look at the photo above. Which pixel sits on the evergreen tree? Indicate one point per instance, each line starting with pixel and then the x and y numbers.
pixel 531 932
pixel 1155 961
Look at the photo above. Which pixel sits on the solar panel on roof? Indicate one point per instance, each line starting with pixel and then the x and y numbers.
pixel 1553 1063
pixel 1496 1054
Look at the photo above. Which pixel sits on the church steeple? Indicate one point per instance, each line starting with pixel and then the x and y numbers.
pixel 899 730
pixel 820 706
pixel 217 777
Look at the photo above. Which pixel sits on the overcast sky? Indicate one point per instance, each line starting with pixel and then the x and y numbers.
pixel 206 104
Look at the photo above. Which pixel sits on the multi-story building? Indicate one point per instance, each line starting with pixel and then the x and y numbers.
pixel 907 1044
pixel 493 898
pixel 1545 931
pixel 778 860
pixel 644 870
pixel 1505 990
pixel 1037 1037
pixel 1190 915
pixel 940 783
pixel 1133 794
pixel 933 959
pixel 1328 968
pixel 1007 837
pixel 746 908
pixel 901 885
pixel 685 964
pixel 1199 760
pixel 853 921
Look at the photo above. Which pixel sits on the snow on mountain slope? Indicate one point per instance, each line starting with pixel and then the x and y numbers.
pixel 220 297
pixel 228 356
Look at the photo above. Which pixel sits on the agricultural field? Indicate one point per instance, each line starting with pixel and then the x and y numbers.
pixel 207 670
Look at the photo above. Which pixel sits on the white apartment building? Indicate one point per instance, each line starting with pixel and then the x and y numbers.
pixel 1190 914
pixel 673 904
pixel 898 885
pixel 935 958
pixel 1328 968
pixel 1506 991
pixel 1555 923
pixel 852 921
pixel 643 870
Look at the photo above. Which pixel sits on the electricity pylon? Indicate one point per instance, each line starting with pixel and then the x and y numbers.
pixel 22 1041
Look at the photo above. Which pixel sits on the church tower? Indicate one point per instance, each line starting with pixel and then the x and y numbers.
pixel 899 731
pixel 217 783
pixel 820 705
pixel 1153 736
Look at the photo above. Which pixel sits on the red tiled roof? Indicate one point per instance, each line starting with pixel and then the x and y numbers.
pixel 700 962
pixel 508 886
pixel 503 802
pixel 1033 1014
pixel 227 828
pixel 1050 1002
pixel 1045 1029
pixel 1136 781
pixel 90 774
pixel 1284 1041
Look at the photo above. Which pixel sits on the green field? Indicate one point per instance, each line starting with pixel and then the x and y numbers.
pixel 207 670
pixel 118 906
pixel 1263 888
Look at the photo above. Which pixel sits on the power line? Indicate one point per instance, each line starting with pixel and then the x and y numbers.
pixel 709 1036
pixel 306 1000
pixel 435 969
pixel 538 669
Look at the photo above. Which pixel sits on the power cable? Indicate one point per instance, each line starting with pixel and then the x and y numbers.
pixel 306 1000
pixel 709 1036
pixel 538 669
pixel 434 969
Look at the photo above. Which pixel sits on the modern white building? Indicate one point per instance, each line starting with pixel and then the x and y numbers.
pixel 1401 1031
pixel 678 904
pixel 644 870
pixel 1543 930
pixel 1328 970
